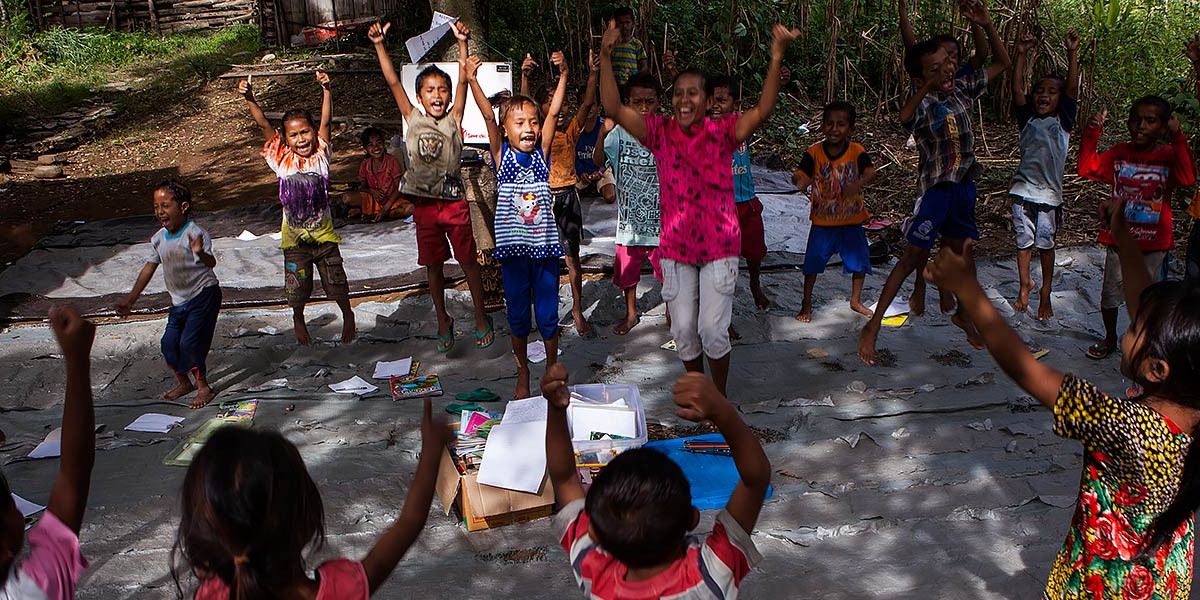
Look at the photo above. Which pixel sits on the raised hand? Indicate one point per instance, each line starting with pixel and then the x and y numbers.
pixel 557 59
pixel 782 37
pixel 461 31
pixel 377 32
pixel 434 431
pixel 611 37
pixel 528 65
pixel 472 66
pixel 197 243
pixel 74 333
pixel 593 60
pixel 246 87
pixel 1072 41
pixel 1026 43
pixel 323 79
pixel 1098 119
pixel 697 397
pixel 554 386
pixel 974 11
pixel 951 270
pixel 668 60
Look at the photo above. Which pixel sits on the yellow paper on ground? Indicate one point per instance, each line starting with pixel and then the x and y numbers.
pixel 896 321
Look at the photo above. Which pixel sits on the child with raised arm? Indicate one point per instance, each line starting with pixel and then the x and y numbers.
pixel 701 239
pixel 54 564
pixel 568 212
pixel 939 115
pixel 949 43
pixel 249 510
pixel 299 155
pixel 433 185
pixel 527 242
pixel 1045 119
pixel 627 537
pixel 1144 173
pixel 1132 533
pixel 838 170
pixel 1192 263
pixel 378 196
pixel 184 249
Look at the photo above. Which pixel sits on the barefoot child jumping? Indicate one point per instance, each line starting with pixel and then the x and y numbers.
pixel 184 249
pixel 1132 532
pixel 433 183
pixel 527 242
pixel 298 152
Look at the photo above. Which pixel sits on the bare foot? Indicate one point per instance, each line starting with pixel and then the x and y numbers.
pixel 866 342
pixel 1045 308
pixel 733 334
pixel 522 384
pixel 184 388
pixel 582 327
pixel 862 310
pixel 625 326
pixel 1022 302
pixel 916 304
pixel 301 329
pixel 805 314
pixel 760 298
pixel 203 397
pixel 349 330
pixel 968 327
pixel 946 302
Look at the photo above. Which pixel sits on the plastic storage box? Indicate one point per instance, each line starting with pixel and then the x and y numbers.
pixel 600 394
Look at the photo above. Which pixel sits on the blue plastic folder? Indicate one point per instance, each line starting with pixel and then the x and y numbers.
pixel 711 477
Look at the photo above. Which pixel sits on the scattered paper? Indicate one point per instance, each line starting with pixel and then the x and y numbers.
pixel 897 307
pixel 246 236
pixel 420 45
pixel 28 509
pixel 278 235
pixel 355 385
pixel 895 321
pixel 537 352
pixel 670 345
pixel 154 423
pixel 826 401
pixel 766 406
pixel 394 368
pixel 515 455
pixel 50 446
pixel 273 384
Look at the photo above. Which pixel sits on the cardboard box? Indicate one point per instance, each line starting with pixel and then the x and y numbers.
pixel 485 507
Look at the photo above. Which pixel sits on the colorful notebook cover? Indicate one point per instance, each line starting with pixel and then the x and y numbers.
pixel 415 386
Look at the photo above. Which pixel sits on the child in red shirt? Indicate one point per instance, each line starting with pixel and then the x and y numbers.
pixel 378 196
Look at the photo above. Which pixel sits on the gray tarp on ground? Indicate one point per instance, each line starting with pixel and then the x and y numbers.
pixel 935 481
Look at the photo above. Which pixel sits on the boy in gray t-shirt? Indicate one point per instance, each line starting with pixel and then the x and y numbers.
pixel 184 249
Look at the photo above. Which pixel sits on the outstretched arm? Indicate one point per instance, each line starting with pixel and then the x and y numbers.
pixel 955 272
pixel 395 542
pixel 980 38
pixel 246 89
pixel 610 97
pixel 599 156
pixel 1093 164
pixel 556 103
pixel 906 28
pixel 125 306
pixel 1020 88
pixel 699 400
pixel 560 454
pixel 326 106
pixel 909 110
pixel 376 34
pixel 750 120
pixel 979 15
pixel 1072 43
pixel 495 135
pixel 68 497
pixel 463 33
pixel 527 67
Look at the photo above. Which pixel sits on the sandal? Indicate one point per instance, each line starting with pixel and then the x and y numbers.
pixel 478 395
pixel 1100 350
pixel 446 342
pixel 456 409
pixel 479 343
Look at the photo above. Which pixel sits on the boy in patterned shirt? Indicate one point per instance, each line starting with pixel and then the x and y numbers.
pixel 939 116
pixel 627 537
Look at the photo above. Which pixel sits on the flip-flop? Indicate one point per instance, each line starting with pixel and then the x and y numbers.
pixel 491 330
pixel 1100 350
pixel 455 409
pixel 478 395
pixel 446 342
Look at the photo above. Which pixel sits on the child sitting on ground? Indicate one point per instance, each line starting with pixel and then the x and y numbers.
pixel 585 168
pixel 527 241
pixel 1145 173
pixel 299 155
pixel 635 176
pixel 568 212
pixel 53 565
pixel 378 196
pixel 433 185
pixel 1132 533
pixel 184 249
pixel 627 537
pixel 701 240
pixel 939 116
pixel 249 510
pixel 1045 120
pixel 838 170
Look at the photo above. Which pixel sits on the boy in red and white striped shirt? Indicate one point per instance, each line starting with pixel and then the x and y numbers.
pixel 628 539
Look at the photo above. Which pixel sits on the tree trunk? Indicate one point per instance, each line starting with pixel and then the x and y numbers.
pixel 473 13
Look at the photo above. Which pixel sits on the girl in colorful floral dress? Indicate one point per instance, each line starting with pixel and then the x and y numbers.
pixel 1132 533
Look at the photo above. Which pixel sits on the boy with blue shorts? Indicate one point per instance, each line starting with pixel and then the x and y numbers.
pixel 837 169
pixel 939 116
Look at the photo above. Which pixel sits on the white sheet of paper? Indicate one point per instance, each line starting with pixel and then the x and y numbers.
pixel 440 18
pixel 398 368
pixel 50 447
pixel 536 351
pixel 273 384
pixel 897 307
pixel 583 419
pixel 27 508
pixel 246 236
pixel 355 385
pixel 154 423
pixel 525 411
pixel 515 456
pixel 420 45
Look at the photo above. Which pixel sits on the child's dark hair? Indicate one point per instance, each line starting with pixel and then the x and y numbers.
pixel 292 115
pixel 544 94
pixel 645 81
pixel 1164 107
pixel 1062 81
pixel 623 11
pixel 913 56
pixel 727 82
pixel 248 511
pixel 694 72
pixel 1169 318
pixel 515 102
pixel 640 506
pixel 432 71
pixel 840 106
pixel 370 132
pixel 179 191
pixel 945 38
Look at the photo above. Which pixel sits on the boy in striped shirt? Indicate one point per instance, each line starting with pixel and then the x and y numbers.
pixel 629 55
pixel 628 538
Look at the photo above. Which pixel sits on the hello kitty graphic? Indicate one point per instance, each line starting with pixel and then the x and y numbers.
pixel 529 211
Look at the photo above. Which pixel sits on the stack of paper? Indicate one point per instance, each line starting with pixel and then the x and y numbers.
pixel 355 385
pixel 515 456
pixel 586 420
pixel 154 423
pixel 394 368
